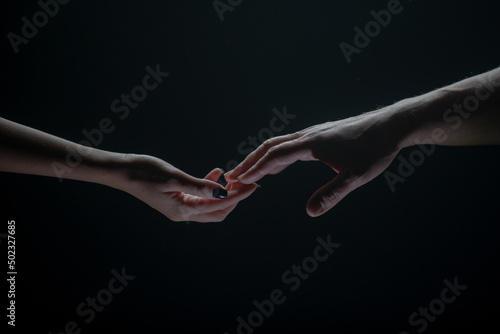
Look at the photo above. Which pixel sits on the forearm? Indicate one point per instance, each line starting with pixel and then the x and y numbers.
pixel 30 151
pixel 464 113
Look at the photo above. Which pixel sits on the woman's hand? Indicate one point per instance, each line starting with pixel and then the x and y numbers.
pixel 172 192
pixel 177 195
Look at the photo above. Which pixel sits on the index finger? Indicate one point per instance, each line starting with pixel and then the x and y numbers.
pixel 256 155
pixel 275 160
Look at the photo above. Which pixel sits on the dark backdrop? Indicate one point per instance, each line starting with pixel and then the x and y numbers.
pixel 226 77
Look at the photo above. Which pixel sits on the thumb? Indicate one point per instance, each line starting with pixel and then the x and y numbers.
pixel 331 193
pixel 198 187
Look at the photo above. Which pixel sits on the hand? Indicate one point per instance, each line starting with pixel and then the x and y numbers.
pixel 177 195
pixel 358 148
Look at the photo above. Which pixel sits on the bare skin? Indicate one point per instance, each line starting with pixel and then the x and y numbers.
pixel 177 195
pixel 360 148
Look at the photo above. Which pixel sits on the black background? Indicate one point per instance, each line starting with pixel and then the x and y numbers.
pixel 226 77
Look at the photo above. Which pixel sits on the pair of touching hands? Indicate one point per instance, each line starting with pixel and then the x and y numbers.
pixel 358 149
pixel 347 146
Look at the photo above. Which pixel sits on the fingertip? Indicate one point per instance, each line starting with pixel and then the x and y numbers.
pixel 231 176
pixel 212 189
pixel 312 214
pixel 236 172
pixel 245 179
pixel 214 174
pixel 240 185
pixel 315 209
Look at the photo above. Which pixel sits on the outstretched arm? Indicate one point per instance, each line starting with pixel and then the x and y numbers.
pixel 177 195
pixel 362 147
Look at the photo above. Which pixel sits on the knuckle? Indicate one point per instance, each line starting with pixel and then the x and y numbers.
pixel 273 150
pixel 268 144
pixel 331 198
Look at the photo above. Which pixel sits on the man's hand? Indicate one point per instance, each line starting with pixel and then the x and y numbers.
pixel 357 148
pixel 362 147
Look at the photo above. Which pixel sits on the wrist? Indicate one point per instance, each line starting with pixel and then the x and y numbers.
pixel 416 119
pixel 106 168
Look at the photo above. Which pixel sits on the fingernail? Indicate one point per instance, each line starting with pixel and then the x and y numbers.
pixel 258 185
pixel 219 193
pixel 228 175
pixel 243 179
pixel 222 180
pixel 236 171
